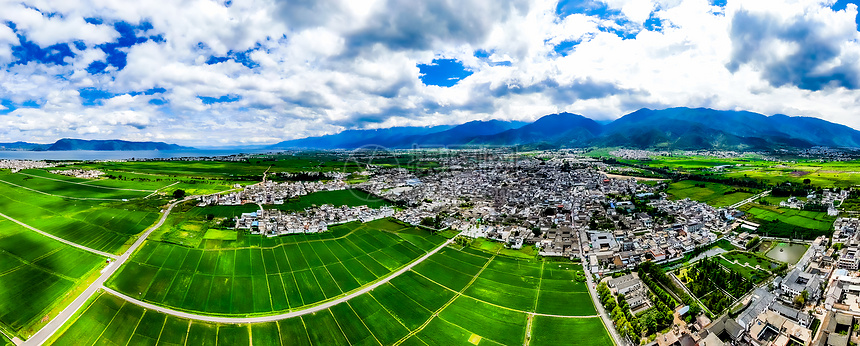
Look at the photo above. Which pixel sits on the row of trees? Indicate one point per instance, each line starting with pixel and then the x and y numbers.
pixel 625 322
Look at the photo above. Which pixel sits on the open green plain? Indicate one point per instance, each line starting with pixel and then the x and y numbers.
pixel 439 302
pixel 38 277
pixel 275 275
pixel 789 223
pixel 337 198
pixel 717 195
pixel 102 225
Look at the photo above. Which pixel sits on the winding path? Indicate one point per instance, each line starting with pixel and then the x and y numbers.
pixel 49 329
pixel 272 318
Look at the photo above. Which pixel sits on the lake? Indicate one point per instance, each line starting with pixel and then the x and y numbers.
pixel 85 155
pixel 789 253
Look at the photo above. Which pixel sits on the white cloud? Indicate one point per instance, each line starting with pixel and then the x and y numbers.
pixel 323 66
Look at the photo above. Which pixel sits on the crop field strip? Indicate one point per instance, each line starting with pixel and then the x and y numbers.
pixel 36 274
pixel 41 174
pixel 103 226
pixel 411 308
pixel 290 276
pixel 69 189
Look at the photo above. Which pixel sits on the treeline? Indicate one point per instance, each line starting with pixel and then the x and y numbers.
pixel 651 274
pixel 625 322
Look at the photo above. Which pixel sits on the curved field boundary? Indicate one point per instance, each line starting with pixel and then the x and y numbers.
pixel 84 184
pixel 272 318
pixel 60 196
pixel 97 252
pixel 49 329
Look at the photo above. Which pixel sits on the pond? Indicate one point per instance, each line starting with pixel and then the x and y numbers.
pixel 789 253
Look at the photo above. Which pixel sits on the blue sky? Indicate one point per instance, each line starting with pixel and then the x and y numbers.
pixel 256 72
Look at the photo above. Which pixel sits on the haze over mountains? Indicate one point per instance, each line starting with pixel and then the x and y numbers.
pixel 673 128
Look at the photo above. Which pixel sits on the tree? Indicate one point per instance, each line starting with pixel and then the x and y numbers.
pixel 179 194
pixel 800 299
pixel 807 181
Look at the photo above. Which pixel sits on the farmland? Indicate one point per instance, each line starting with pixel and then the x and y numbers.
pixel 717 195
pixel 824 174
pixel 37 277
pixel 440 301
pixel 101 225
pixel 789 223
pixel 349 198
pixel 274 274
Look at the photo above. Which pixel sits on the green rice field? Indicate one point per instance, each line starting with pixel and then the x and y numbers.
pixel 37 277
pixel 350 198
pixel 63 186
pixel 789 223
pixel 273 275
pixel 436 303
pixel 102 225
pixel 717 195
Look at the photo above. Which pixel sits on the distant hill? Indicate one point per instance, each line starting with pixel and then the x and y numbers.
pixel 672 128
pixel 23 146
pixel 67 144
pixel 402 137
pixel 563 129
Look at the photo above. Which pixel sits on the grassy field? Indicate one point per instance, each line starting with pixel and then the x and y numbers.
pixel 718 195
pixel 37 275
pixel 101 225
pixel 737 261
pixel 275 275
pixel 350 198
pixel 64 187
pixel 431 305
pixel 789 223
pixel 824 174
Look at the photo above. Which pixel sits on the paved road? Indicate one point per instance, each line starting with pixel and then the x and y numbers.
pixel 749 200
pixel 600 311
pixel 49 329
pixel 281 316
pixel 97 252
pixel 603 314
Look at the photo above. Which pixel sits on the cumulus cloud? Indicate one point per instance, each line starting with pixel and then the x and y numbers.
pixel 812 51
pixel 206 72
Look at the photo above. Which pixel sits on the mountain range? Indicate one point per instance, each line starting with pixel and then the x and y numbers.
pixel 67 144
pixel 673 128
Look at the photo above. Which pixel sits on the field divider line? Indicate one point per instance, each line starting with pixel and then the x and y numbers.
pixel 97 252
pixel 66 314
pixel 84 184
pixel 272 318
pixel 451 301
pixel 504 307
pixel 59 196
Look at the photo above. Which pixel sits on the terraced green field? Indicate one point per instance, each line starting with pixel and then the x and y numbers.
pixel 101 225
pixel 436 303
pixel 282 274
pixel 37 274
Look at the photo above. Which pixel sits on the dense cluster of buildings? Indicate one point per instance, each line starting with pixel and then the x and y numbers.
pixel 17 165
pixel 273 222
pixel 79 173
pixel 269 192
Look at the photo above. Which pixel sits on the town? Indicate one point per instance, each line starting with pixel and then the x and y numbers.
pixel 565 205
